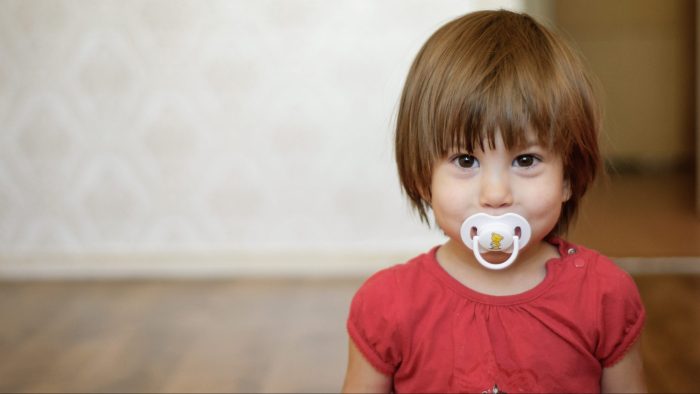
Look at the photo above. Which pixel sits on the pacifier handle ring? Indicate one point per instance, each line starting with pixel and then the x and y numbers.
pixel 505 264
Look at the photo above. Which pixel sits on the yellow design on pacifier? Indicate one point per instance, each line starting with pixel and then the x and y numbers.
pixel 507 233
pixel 496 239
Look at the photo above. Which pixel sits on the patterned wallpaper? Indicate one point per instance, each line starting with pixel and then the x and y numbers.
pixel 166 127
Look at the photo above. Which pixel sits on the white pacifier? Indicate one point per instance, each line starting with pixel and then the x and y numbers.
pixel 507 233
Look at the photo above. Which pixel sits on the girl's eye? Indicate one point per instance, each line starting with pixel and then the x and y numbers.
pixel 525 161
pixel 466 161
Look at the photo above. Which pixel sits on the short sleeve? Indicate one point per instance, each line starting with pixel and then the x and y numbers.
pixel 372 323
pixel 621 314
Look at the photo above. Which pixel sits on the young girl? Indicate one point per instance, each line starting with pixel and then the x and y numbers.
pixel 497 135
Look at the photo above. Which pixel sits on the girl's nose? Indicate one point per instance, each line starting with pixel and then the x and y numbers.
pixel 495 191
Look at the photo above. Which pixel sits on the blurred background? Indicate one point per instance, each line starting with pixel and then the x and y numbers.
pixel 191 191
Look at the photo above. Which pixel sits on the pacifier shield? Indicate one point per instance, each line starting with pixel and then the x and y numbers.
pixel 507 233
pixel 495 232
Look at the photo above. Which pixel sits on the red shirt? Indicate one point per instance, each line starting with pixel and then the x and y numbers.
pixel 429 332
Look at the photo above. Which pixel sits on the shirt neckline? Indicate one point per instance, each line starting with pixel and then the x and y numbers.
pixel 551 267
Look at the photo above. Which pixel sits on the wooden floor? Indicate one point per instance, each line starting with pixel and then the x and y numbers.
pixel 193 336
pixel 245 336
pixel 288 335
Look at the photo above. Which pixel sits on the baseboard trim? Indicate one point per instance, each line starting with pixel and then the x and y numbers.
pixel 198 265
pixel 659 265
pixel 247 265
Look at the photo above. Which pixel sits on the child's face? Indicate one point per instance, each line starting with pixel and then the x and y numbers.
pixel 528 181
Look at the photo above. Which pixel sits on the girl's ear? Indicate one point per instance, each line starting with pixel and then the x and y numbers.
pixel 566 191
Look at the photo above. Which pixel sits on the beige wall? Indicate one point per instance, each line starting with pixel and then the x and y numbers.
pixel 642 51
pixel 206 136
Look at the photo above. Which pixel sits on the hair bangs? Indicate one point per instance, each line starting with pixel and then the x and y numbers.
pixel 507 103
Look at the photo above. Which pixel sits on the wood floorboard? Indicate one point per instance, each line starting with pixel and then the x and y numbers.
pixel 670 342
pixel 245 335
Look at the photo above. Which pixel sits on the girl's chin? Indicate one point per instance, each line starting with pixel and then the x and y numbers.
pixel 495 257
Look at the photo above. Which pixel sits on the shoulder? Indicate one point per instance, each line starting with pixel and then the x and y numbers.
pixel 593 265
pixel 376 314
pixel 618 311
pixel 391 291
pixel 388 281
pixel 607 275
pixel 601 287
pixel 617 290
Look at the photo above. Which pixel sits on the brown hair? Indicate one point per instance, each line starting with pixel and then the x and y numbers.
pixel 489 72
